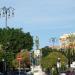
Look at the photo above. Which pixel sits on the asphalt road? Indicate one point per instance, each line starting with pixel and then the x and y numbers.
pixel 38 70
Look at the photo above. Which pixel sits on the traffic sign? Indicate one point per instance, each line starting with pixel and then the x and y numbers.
pixel 19 57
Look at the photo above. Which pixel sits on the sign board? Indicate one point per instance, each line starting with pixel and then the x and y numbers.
pixel 19 57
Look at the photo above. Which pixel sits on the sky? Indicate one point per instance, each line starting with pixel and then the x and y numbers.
pixel 42 18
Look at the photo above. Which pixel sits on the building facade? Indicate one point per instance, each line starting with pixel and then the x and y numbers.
pixel 67 39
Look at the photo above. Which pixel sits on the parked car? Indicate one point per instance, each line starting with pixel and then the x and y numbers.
pixel 70 73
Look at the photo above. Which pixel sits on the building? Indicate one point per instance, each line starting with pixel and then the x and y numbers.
pixel 66 39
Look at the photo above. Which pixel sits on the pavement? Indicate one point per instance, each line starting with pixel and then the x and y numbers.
pixel 37 70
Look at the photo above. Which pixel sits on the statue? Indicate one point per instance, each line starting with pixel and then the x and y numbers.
pixel 37 42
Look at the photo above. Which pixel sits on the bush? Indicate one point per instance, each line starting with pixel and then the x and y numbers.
pixel 51 60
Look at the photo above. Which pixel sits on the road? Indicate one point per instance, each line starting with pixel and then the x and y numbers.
pixel 37 70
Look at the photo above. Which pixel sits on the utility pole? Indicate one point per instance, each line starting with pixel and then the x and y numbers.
pixel 6 12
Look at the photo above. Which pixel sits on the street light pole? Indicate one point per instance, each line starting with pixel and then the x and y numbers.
pixel 6 12
pixel 3 61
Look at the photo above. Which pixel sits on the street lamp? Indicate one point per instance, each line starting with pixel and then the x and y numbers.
pixel 5 57
pixel 53 40
pixel 4 65
pixel 6 12
pixel 58 65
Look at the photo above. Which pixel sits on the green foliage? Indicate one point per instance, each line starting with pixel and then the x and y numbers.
pixel 51 59
pixel 11 42
pixel 25 59
pixel 73 56
pixel 9 56
pixel 15 39
pixel 63 67
pixel 54 72
pixel 71 38
pixel 1 55
pixel 45 51
pixel 15 63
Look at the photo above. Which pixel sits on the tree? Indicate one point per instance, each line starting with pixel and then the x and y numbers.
pixel 71 40
pixel 70 51
pixel 25 62
pixel 46 51
pixel 15 39
pixel 1 55
pixel 51 59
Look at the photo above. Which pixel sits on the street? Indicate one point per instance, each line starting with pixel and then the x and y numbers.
pixel 37 70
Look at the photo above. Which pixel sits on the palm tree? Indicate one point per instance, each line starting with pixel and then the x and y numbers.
pixel 71 43
pixel 71 40
pixel 53 40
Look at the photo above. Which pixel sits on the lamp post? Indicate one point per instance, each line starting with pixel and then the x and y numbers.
pixel 5 58
pixel 58 65
pixel 6 12
pixel 3 65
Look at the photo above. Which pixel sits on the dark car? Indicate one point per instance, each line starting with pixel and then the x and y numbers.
pixel 70 73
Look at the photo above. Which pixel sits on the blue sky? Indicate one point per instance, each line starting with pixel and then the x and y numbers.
pixel 45 18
